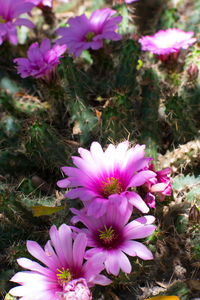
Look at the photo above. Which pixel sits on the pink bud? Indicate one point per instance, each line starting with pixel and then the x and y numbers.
pixel 193 71
pixel 76 289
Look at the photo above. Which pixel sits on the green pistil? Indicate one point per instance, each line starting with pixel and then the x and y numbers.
pixel 2 20
pixel 89 36
pixel 112 186
pixel 107 235
pixel 64 276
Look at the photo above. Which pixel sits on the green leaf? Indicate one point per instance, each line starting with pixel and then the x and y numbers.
pixel 45 210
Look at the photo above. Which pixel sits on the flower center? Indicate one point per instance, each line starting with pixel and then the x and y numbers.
pixel 112 186
pixel 64 276
pixel 89 36
pixel 2 20
pixel 107 236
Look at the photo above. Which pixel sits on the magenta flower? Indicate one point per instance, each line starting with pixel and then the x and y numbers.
pixel 107 177
pixel 166 42
pixel 63 273
pixel 112 236
pixel 84 33
pixel 41 61
pixel 161 184
pixel 10 12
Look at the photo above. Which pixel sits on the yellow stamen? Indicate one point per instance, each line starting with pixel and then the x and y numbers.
pixel 107 235
pixel 112 186
pixel 89 36
pixel 64 276
pixel 2 20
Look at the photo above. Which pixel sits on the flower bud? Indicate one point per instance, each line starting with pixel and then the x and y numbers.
pixel 76 289
pixel 194 214
pixel 193 71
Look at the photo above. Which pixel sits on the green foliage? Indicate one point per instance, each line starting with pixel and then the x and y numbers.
pixel 125 69
pixel 181 119
pixel 180 289
pixel 149 112
pixel 45 147
pixel 9 129
pixel 194 194
pixel 81 113
pixel 5 101
pixel 183 182
pixel 13 162
pixel 29 105
pixel 169 18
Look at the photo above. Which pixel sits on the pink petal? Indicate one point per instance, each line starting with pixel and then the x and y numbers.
pixel 55 240
pixel 158 187
pixel 33 266
pixel 94 265
pixel 125 264
pixel 65 236
pixel 137 201
pixel 64 183
pixel 140 232
pixel 140 250
pixel 141 177
pixel 112 263
pixel 79 246
pixel 36 251
pixel 24 22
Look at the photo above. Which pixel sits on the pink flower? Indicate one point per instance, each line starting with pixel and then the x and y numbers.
pixel 112 236
pixel 166 42
pixel 63 271
pixel 84 33
pixel 10 12
pixel 41 61
pixel 106 177
pixel 161 184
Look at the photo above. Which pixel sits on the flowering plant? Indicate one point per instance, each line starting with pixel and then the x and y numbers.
pixel 106 177
pixel 84 33
pixel 166 42
pixel 41 61
pixel 112 236
pixel 161 184
pixel 64 276
pixel 10 12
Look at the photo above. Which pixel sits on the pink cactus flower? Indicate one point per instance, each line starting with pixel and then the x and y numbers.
pixel 160 185
pixel 167 42
pixel 84 33
pixel 10 12
pixel 112 236
pixel 41 61
pixel 64 273
pixel 107 177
